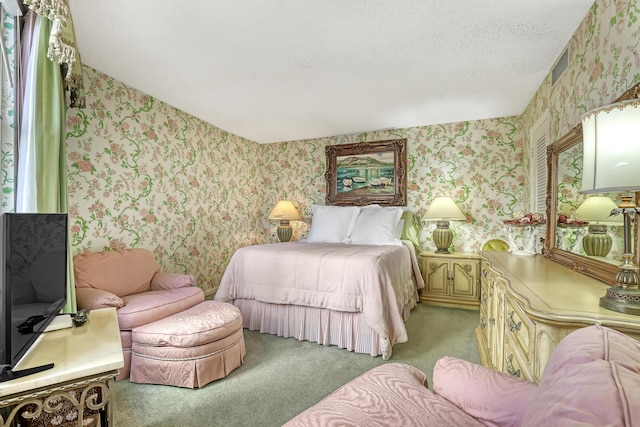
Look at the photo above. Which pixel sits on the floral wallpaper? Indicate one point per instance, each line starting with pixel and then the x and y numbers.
pixel 478 163
pixel 603 64
pixel 145 174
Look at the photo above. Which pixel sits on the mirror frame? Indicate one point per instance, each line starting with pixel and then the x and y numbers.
pixel 591 267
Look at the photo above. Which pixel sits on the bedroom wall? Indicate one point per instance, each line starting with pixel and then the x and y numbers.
pixel 142 173
pixel 478 163
pixel 489 176
pixel 603 63
pixel 145 174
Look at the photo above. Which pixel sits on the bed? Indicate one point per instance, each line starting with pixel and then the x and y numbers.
pixel 352 283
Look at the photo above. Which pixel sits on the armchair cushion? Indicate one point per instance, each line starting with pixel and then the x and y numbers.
pixel 599 360
pixel 140 309
pixel 476 389
pixel 94 299
pixel 162 280
pixel 594 343
pixel 122 272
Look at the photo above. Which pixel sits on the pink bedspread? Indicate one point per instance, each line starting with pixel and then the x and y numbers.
pixel 374 280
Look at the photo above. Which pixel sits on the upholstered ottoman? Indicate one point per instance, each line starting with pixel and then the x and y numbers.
pixel 189 349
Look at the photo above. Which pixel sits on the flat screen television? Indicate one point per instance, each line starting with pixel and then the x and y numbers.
pixel 33 283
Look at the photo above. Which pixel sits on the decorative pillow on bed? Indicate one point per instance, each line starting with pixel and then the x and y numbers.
pixel 377 226
pixel 332 224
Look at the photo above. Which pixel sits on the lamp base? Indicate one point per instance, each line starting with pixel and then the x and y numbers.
pixel 597 242
pixel 624 297
pixel 622 300
pixel 442 237
pixel 284 231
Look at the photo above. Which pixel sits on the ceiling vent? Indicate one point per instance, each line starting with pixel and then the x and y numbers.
pixel 561 65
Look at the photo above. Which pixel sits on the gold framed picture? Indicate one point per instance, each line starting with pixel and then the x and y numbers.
pixel 367 173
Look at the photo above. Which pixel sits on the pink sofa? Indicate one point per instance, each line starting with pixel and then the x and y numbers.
pixel 591 379
pixel 131 281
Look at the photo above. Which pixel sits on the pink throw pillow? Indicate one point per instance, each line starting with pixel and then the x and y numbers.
pixel 163 281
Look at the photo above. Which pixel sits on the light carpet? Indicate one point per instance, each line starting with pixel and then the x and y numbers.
pixel 281 377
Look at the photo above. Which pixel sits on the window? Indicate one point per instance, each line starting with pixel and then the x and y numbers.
pixel 539 138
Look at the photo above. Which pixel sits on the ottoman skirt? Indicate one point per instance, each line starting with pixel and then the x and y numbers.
pixel 189 349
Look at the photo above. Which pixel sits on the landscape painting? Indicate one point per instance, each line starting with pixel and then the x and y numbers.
pixel 366 173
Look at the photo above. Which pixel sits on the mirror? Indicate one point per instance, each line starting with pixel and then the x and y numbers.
pixel 566 230
pixel 578 227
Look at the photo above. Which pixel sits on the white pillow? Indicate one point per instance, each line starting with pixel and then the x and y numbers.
pixel 332 224
pixel 377 226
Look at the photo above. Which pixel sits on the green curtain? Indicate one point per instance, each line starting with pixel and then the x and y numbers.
pixel 43 140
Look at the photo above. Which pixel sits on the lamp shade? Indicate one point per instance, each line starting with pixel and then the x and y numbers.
pixel 611 143
pixel 285 210
pixel 444 208
pixel 597 209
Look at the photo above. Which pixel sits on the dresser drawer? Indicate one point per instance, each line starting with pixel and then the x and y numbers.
pixel 520 329
pixel 486 275
pixel 484 296
pixel 513 361
pixel 484 323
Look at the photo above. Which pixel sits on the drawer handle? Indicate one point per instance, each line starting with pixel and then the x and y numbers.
pixel 492 321
pixel 513 326
pixel 510 369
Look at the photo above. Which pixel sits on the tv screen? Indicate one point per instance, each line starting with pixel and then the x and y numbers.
pixel 33 281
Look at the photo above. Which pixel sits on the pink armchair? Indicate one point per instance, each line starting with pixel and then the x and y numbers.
pixel 131 281
pixel 592 378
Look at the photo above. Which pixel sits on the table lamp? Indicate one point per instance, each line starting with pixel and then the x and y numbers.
pixel 442 210
pixel 597 210
pixel 611 143
pixel 285 212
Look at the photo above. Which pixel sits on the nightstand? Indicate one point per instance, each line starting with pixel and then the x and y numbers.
pixel 451 280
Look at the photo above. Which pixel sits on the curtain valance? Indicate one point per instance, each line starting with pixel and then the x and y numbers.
pixel 62 46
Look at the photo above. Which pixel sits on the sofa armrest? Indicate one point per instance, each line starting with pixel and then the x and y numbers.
pixel 494 398
pixel 164 281
pixel 94 299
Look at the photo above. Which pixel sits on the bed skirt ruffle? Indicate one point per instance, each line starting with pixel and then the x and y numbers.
pixel 346 330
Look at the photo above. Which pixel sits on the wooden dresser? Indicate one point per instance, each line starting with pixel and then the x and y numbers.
pixel 528 304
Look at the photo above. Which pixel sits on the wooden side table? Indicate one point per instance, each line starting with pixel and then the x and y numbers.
pixel 85 358
pixel 451 280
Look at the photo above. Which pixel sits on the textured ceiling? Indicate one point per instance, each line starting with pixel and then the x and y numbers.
pixel 283 70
